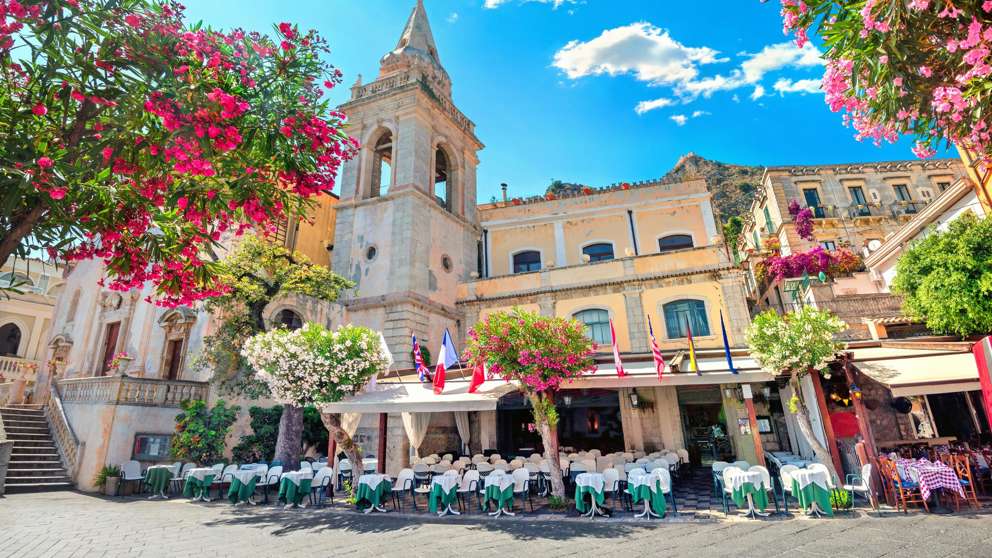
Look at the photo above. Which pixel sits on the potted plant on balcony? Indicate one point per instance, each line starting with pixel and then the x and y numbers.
pixel 108 478
pixel 121 361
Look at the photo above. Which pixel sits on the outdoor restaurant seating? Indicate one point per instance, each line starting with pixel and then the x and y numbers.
pixel 322 486
pixel 270 478
pixel 861 484
pixel 131 473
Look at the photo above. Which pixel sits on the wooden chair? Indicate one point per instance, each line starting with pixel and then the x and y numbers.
pixel 905 491
pixel 962 467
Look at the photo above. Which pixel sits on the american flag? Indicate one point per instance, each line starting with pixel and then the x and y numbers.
pixel 659 361
pixel 422 370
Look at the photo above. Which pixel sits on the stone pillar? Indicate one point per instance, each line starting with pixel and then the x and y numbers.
pixel 630 421
pixel 547 305
pixel 736 313
pixel 487 430
pixel 666 408
pixel 561 258
pixel 637 327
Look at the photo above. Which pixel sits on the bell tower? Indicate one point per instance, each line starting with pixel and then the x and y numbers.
pixel 407 227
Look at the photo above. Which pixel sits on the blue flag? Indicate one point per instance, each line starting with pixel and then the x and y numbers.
pixel 726 345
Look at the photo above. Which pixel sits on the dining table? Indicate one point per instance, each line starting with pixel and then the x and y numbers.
pixel 157 478
pixel 293 486
pixel 811 487
pixel 444 494
pixel 198 483
pixel 749 488
pixel 591 485
pixel 373 488
pixel 242 487
pixel 650 489
pixel 499 489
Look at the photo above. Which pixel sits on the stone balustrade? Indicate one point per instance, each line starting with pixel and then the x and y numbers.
pixel 13 368
pixel 66 442
pixel 124 390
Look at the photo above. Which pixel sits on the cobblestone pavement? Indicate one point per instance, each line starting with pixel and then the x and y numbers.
pixel 61 524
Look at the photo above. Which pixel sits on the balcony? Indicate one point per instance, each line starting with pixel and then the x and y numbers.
pixel 860 210
pixel 823 211
pixel 908 208
pixel 123 390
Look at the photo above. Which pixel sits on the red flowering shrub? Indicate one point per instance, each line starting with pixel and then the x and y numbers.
pixel 803 218
pixel 130 136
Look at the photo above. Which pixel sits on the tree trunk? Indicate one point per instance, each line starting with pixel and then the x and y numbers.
pixel 345 444
pixel 806 428
pixel 290 438
pixel 549 437
pixel 20 228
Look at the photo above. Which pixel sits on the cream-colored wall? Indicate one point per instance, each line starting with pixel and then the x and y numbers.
pixel 613 229
pixel 709 292
pixel 652 224
pixel 316 232
pixel 613 303
pixel 503 243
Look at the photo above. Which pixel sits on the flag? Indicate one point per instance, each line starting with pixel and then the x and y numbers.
pixel 983 358
pixel 616 352
pixel 692 348
pixel 422 372
pixel 447 357
pixel 726 345
pixel 478 377
pixel 659 361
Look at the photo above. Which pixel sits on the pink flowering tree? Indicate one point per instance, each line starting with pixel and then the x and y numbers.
pixel 538 354
pixel 131 136
pixel 913 67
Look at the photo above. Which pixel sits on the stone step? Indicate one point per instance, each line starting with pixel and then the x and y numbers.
pixel 36 456
pixel 36 464
pixel 11 480
pixel 14 431
pixel 22 471
pixel 37 487
pixel 24 445
pixel 22 437
pixel 24 420
pixel 11 414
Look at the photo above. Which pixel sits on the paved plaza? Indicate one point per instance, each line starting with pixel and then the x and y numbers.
pixel 75 524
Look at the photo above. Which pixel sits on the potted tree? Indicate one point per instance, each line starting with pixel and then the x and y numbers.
pixel 108 478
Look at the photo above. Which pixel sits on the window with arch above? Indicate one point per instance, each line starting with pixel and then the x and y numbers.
pixel 599 252
pixel 680 315
pixel 382 165
pixel 289 320
pixel 674 242
pixel 597 322
pixel 442 183
pixel 15 280
pixel 529 260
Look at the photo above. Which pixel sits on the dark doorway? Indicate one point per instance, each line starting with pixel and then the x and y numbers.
pixel 704 424
pixel 587 419
pixel 109 345
pixel 952 415
pixel 10 340
pixel 173 359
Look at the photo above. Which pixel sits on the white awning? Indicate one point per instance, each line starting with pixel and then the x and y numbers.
pixel 712 371
pixel 416 397
pixel 909 372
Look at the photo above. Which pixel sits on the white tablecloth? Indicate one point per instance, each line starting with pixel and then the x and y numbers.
pixel 202 472
pixel 594 481
pixel 739 478
pixel 372 480
pixel 653 482
pixel 446 482
pixel 295 476
pixel 805 477
pixel 500 479
pixel 245 476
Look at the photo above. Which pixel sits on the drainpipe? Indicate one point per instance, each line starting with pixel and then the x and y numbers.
pixel 633 233
pixel 485 253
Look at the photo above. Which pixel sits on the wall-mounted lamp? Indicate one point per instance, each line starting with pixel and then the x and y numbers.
pixel 767 392
pixel 733 393
pixel 635 400
pixel 567 400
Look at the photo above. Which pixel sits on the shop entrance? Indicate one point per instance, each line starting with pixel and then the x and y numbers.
pixel 704 425
pixel 587 419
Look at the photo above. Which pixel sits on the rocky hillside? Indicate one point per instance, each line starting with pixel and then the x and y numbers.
pixel 733 186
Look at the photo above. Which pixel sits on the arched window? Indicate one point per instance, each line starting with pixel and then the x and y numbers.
pixel 597 325
pixel 15 280
pixel 10 340
pixel 289 320
pixel 442 186
pixel 681 314
pixel 382 165
pixel 599 252
pixel 529 260
pixel 674 242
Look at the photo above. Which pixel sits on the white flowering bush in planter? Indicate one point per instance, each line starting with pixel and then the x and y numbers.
pixel 314 365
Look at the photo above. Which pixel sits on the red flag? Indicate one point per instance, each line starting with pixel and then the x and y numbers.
pixel 439 377
pixel 983 358
pixel 478 377
pixel 616 352
pixel 659 361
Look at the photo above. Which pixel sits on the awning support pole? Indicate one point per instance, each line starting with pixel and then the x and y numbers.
pixel 828 427
pixel 752 418
pixel 383 421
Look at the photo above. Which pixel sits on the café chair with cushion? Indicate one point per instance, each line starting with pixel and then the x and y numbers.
pixel 270 478
pixel 468 485
pixel 962 468
pixel 785 482
pixel 905 491
pixel 484 469
pixel 404 485
pixel 860 484
pixel 611 484
pixel 421 474
pixel 322 485
pixel 130 472
pixel 521 488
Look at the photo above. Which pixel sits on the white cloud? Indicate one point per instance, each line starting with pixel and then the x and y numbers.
pixel 452 17
pixel 698 113
pixel 778 56
pixel 759 92
pixel 555 4
pixel 641 49
pixel 646 106
pixel 679 119
pixel 804 86
pixel 735 98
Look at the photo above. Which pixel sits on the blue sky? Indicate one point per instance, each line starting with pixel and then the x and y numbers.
pixel 554 86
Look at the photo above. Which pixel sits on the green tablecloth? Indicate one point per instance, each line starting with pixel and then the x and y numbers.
pixel 241 492
pixel 813 493
pixel 503 498
pixel 758 495
pixel 374 497
pixel 448 498
pixel 157 479
pixel 196 488
pixel 644 492
pixel 580 501
pixel 291 493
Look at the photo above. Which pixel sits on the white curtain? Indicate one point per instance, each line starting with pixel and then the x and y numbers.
pixel 487 429
pixel 416 425
pixel 464 431
pixel 350 421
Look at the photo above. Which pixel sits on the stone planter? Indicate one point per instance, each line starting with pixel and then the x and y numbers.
pixel 123 364
pixel 110 486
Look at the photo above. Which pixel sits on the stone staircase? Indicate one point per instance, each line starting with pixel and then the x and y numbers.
pixel 35 464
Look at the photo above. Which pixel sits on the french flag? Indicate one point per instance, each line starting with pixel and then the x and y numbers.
pixel 447 358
